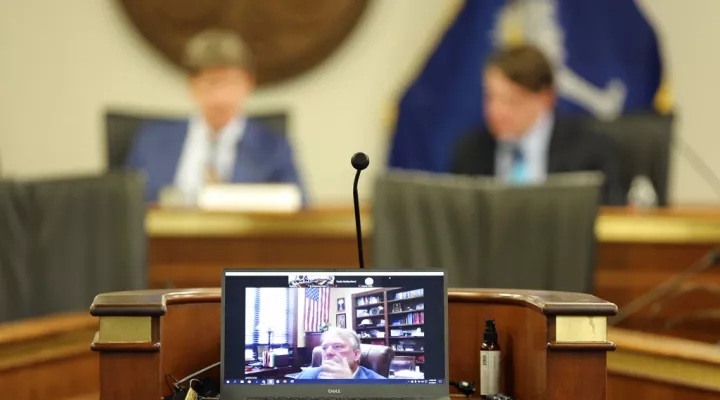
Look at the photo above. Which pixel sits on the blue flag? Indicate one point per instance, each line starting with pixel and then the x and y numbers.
pixel 605 56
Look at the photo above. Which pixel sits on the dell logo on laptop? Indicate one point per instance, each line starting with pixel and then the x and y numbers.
pixel 334 391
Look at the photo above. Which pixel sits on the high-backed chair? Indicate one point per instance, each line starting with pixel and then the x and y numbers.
pixel 372 356
pixel 121 127
pixel 482 232
pixel 65 240
pixel 643 141
pixel 16 274
pixel 89 237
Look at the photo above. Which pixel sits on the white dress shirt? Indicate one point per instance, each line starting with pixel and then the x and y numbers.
pixel 200 150
pixel 534 145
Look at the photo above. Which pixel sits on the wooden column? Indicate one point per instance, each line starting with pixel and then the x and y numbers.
pixel 553 344
pixel 146 334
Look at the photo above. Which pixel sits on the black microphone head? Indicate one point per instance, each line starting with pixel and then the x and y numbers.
pixel 360 161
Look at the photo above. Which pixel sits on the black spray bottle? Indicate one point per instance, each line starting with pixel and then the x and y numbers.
pixel 490 361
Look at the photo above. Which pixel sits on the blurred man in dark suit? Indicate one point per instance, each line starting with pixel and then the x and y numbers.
pixel 524 140
pixel 218 144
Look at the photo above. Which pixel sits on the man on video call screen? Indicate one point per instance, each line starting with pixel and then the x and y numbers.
pixel 340 358
pixel 342 327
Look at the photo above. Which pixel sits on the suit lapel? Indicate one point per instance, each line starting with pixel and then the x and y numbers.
pixel 166 154
pixel 484 160
pixel 175 148
pixel 361 373
pixel 557 147
pixel 248 156
pixel 487 166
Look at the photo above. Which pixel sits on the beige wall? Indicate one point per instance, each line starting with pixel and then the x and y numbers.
pixel 688 31
pixel 64 62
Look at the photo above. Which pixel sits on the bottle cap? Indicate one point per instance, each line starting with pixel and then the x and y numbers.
pixel 490 335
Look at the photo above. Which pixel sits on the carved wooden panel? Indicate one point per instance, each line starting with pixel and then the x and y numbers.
pixel 287 37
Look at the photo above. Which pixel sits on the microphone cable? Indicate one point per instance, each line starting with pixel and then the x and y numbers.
pixel 698 165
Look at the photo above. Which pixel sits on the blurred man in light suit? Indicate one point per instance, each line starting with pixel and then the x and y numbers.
pixel 217 144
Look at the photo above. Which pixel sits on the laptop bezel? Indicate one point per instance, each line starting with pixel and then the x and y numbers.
pixel 239 391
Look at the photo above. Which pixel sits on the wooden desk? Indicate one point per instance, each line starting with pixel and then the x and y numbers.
pixel 635 252
pixel 190 248
pixel 37 354
pixel 277 372
pixel 554 344
pixel 654 367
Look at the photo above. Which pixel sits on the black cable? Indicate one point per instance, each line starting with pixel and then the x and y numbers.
pixel 168 383
pixel 653 295
pixel 699 165
pixel 195 374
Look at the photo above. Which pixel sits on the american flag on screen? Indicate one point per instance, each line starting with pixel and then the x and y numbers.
pixel 317 308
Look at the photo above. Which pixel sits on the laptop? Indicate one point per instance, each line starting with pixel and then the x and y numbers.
pixel 334 334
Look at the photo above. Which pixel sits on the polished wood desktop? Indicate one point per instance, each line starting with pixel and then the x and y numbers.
pixel 554 344
pixel 636 251
pixel 190 248
pixel 49 357
pixel 654 367
pixel 277 372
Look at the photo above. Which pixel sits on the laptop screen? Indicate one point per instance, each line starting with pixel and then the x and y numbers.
pixel 334 328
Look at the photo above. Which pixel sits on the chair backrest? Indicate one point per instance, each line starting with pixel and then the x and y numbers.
pixel 16 291
pixel 69 239
pixel 487 234
pixel 644 141
pixel 89 235
pixel 120 130
pixel 372 356
pixel 428 221
pixel 121 127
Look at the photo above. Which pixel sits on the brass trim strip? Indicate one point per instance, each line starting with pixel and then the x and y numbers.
pixel 125 329
pixel 656 229
pixel 45 350
pixel 658 368
pixel 585 346
pixel 580 329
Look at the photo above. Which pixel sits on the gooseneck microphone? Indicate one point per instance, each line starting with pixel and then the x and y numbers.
pixel 359 161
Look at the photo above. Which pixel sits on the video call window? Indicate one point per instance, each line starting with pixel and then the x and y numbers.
pixel 336 326
pixel 326 327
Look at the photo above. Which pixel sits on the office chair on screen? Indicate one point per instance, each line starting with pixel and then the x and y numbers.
pixel 375 357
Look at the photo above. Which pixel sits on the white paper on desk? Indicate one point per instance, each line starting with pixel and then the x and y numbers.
pixel 409 374
pixel 251 197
